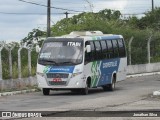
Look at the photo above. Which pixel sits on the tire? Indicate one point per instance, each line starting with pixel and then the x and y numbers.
pixel 111 87
pixel 85 90
pixel 46 91
pixel 105 87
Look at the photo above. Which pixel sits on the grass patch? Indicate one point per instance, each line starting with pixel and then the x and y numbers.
pixel 26 88
pixel 24 73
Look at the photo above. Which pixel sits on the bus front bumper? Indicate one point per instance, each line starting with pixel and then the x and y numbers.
pixel 72 83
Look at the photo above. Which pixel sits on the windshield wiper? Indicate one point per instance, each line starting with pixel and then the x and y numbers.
pixel 49 61
pixel 69 62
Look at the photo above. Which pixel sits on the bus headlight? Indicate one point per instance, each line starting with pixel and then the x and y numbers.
pixel 75 74
pixel 41 74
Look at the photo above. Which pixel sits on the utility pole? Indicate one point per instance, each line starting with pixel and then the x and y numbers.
pixel 48 18
pixel 152 5
pixel 66 13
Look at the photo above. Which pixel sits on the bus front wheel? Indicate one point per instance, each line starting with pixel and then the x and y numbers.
pixel 46 91
pixel 85 90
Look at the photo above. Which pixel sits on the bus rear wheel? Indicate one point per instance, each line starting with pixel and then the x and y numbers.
pixel 110 87
pixel 46 91
pixel 105 87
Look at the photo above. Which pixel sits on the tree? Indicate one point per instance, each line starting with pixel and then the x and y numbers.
pixel 33 36
pixel 150 20
pixel 110 14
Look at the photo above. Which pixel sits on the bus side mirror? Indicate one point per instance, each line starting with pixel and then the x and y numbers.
pixel 38 48
pixel 88 48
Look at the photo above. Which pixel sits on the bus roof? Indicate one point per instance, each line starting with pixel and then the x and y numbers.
pixel 90 35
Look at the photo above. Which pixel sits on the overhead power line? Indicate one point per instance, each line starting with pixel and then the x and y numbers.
pixel 50 7
pixel 66 13
pixel 18 13
pixel 90 5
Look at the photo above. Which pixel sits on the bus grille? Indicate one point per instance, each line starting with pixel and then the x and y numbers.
pixel 57 75
pixel 57 83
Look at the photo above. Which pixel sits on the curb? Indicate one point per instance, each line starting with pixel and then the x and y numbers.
pixel 17 92
pixel 143 74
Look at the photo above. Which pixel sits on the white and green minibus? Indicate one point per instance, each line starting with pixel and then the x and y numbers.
pixel 81 60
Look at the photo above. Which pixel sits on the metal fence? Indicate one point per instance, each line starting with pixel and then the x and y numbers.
pixel 146 48
pixel 9 48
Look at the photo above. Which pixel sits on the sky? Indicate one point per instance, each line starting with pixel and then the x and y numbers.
pixel 14 27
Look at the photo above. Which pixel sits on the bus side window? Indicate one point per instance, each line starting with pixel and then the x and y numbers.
pixel 98 50
pixel 122 51
pixel 93 52
pixel 110 49
pixel 104 49
pixel 115 48
pixel 90 56
pixel 87 55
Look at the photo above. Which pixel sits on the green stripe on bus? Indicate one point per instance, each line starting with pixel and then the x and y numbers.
pixel 97 76
pixel 94 70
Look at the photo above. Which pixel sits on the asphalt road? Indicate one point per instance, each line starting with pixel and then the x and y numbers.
pixel 131 94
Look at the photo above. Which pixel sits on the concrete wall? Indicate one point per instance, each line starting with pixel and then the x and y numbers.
pixel 17 84
pixel 143 68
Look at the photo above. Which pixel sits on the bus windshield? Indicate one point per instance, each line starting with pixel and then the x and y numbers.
pixel 61 53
